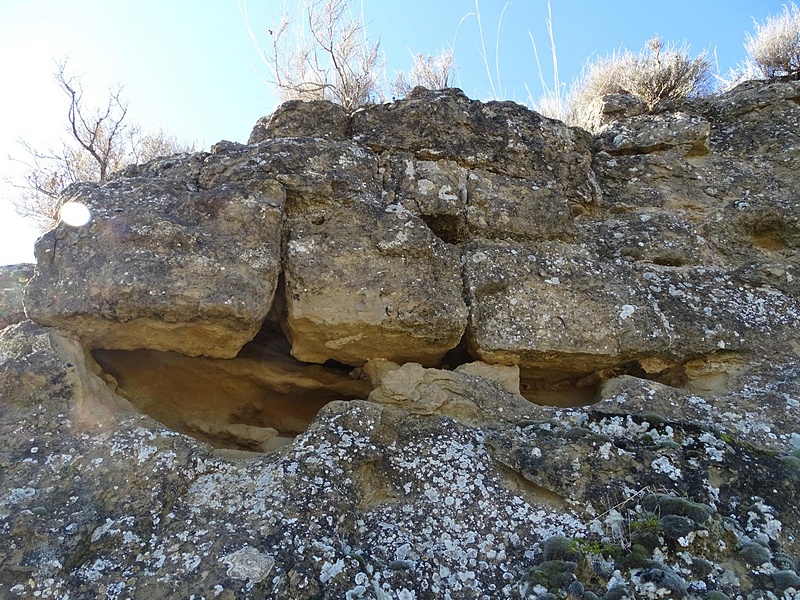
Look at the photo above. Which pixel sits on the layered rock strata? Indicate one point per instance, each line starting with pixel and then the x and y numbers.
pixel 303 367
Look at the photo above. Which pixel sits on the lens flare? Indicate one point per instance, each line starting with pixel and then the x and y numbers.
pixel 75 214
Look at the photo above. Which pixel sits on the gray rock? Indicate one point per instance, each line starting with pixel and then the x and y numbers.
pixel 501 137
pixel 302 119
pixel 13 279
pixel 655 133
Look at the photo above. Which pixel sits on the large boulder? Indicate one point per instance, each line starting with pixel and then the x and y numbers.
pixel 363 278
pixel 366 281
pixel 162 265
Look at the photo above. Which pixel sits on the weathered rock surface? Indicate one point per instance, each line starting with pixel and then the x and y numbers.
pixel 365 281
pixel 315 379
pixel 444 483
pixel 13 279
pixel 296 118
pixel 162 265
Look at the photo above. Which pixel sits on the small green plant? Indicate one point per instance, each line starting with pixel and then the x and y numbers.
pixel 599 548
pixel 645 523
pixel 775 46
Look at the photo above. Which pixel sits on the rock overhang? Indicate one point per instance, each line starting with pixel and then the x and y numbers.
pixel 392 240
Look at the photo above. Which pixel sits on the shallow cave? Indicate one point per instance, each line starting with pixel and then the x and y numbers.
pixel 708 375
pixel 257 401
pixel 261 399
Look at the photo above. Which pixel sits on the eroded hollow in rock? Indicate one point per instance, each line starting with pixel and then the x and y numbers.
pixel 257 401
pixel 705 376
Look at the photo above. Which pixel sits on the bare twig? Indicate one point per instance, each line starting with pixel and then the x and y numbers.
pixel 100 142
pixel 322 52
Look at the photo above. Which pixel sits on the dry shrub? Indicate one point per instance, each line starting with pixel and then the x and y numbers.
pixel 101 142
pixel 775 47
pixel 660 75
pixel 431 72
pixel 745 71
pixel 321 52
pixel 553 105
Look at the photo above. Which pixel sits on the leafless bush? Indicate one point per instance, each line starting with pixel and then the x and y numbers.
pixel 432 72
pixel 659 75
pixel 321 51
pixel 775 47
pixel 100 143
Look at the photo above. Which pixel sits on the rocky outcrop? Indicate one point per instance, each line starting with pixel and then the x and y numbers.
pixel 438 348
pixel 444 482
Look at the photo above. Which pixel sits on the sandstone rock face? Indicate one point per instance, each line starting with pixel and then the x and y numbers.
pixel 162 265
pixel 366 282
pixel 438 348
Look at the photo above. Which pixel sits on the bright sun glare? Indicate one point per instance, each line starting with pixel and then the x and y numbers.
pixel 75 214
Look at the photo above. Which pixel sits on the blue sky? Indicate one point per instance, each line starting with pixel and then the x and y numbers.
pixel 190 67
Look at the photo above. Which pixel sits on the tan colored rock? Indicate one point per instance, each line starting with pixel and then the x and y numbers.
pixel 368 281
pixel 557 312
pixel 162 265
pixel 468 395
pixel 236 402
pixel 506 375
pixel 554 310
pixel 258 439
pixel 375 370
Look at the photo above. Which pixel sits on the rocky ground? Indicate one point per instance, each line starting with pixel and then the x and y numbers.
pixel 434 349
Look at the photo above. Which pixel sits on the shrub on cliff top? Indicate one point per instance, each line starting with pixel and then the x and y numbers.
pixel 321 51
pixel 660 75
pixel 775 47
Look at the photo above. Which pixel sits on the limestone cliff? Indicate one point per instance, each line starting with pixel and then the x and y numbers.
pixel 438 348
